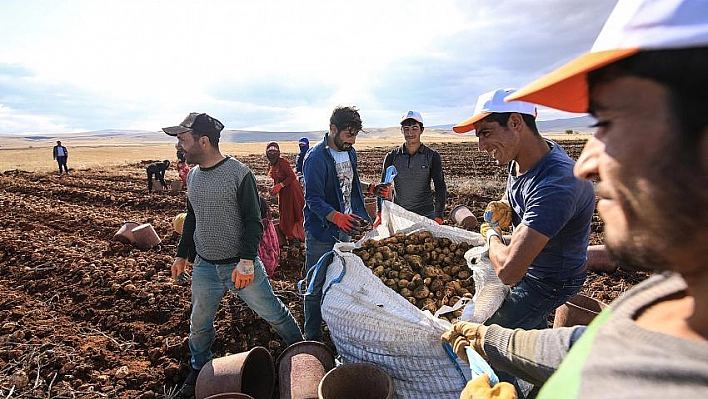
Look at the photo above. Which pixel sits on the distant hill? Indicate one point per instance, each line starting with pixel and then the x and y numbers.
pixel 127 137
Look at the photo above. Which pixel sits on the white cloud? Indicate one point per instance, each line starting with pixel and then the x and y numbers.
pixel 276 65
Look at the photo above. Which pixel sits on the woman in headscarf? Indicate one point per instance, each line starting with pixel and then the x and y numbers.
pixel 291 200
pixel 304 145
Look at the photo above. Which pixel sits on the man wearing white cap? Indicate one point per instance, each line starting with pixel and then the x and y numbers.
pixel 645 82
pixel 416 166
pixel 550 209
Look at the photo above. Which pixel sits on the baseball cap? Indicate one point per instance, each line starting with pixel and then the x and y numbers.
pixel 493 102
pixel 415 115
pixel 198 122
pixel 633 26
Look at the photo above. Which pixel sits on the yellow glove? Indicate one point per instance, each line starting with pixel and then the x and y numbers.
pixel 178 223
pixel 498 214
pixel 488 231
pixel 479 388
pixel 463 334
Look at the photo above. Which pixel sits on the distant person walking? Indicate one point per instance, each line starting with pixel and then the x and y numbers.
pixel 157 170
pixel 291 200
pixel 61 154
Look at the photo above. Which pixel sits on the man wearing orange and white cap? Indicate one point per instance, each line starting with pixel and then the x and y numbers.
pixel 645 82
pixel 550 209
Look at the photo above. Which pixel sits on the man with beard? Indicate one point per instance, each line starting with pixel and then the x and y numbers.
pixel 550 209
pixel 334 203
pixel 645 82
pixel 223 227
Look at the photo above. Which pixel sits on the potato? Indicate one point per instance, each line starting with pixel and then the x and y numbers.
pixel 421 292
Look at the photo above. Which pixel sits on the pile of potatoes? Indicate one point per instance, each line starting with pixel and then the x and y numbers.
pixel 429 272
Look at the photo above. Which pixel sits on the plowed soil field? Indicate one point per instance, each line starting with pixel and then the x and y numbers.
pixel 84 316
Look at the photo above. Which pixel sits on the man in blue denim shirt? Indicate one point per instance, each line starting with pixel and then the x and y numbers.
pixel 334 203
pixel 551 210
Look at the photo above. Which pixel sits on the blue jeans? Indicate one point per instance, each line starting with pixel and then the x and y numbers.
pixel 209 284
pixel 532 300
pixel 314 249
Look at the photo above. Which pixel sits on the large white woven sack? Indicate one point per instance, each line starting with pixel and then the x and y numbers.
pixel 371 323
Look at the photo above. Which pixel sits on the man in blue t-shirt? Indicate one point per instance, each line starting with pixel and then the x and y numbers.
pixel 550 210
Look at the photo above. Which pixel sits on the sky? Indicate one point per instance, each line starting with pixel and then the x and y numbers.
pixel 267 65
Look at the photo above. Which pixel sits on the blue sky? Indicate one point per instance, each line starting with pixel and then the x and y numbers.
pixel 72 66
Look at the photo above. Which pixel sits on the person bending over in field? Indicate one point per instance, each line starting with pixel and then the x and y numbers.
pixel 156 170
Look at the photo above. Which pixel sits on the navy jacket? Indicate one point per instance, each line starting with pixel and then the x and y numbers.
pixel 323 194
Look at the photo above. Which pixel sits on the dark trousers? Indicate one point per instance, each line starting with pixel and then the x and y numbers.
pixel 156 175
pixel 62 164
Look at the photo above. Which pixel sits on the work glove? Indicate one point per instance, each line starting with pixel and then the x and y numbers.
pixel 276 189
pixel 488 231
pixel 242 276
pixel 382 190
pixel 463 334
pixel 498 214
pixel 479 388
pixel 438 220
pixel 377 222
pixel 348 222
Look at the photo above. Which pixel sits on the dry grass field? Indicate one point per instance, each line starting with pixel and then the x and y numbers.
pixel 17 153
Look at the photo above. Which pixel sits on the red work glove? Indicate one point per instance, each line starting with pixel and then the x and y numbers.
pixel 348 222
pixel 276 189
pixel 380 190
pixel 438 220
pixel 377 222
pixel 243 274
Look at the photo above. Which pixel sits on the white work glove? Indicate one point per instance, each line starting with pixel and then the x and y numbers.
pixel 243 274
